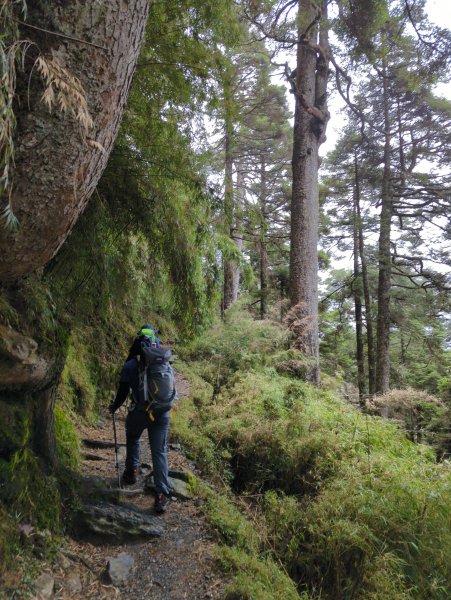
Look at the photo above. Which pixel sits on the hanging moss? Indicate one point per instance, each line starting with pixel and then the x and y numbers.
pixel 77 390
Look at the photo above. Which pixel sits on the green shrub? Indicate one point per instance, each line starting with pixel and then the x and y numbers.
pixel 237 342
pixel 255 578
pixel 231 527
pixel 398 516
pixel 351 507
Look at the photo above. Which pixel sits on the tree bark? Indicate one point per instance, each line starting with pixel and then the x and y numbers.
pixel 384 286
pixel 238 239
pixel 262 242
pixel 357 289
pixel 263 279
pixel 30 379
pixel 56 170
pixel 365 283
pixel 57 166
pixel 368 310
pixel 238 231
pixel 309 127
pixel 228 188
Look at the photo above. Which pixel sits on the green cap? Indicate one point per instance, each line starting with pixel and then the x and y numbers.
pixel 147 332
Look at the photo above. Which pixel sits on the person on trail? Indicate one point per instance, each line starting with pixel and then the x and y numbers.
pixel 139 418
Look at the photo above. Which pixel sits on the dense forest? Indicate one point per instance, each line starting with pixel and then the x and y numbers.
pixel 163 162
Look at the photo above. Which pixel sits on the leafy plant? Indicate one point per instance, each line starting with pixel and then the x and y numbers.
pixel 338 494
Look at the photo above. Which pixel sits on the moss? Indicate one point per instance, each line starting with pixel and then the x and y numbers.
pixel 77 390
pixel 15 426
pixel 24 488
pixel 27 491
pixel 231 527
pixel 255 578
pixel 67 443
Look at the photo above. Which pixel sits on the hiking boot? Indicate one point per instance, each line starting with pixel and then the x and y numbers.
pixel 129 476
pixel 161 503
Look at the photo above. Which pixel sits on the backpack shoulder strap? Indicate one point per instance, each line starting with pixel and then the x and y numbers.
pixel 142 379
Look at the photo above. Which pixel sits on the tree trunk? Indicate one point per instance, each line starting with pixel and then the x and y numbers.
pixel 263 279
pixel 238 238
pixel 56 169
pixel 366 286
pixel 357 289
pixel 44 442
pixel 384 286
pixel 238 230
pixel 309 127
pixel 228 187
pixel 57 166
pixel 262 242
pixel 368 312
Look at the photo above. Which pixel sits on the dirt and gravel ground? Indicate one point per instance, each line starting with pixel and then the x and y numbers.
pixel 177 566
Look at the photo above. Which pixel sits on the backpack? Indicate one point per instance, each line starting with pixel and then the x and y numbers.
pixel 156 389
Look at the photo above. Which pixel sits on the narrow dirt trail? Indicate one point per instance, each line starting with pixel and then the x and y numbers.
pixel 177 566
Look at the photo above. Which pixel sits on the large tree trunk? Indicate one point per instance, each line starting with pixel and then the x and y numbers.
pixel 309 127
pixel 357 289
pixel 56 165
pixel 56 169
pixel 384 287
pixel 358 223
pixel 368 309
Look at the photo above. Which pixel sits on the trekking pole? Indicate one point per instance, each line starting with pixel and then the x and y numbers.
pixel 115 451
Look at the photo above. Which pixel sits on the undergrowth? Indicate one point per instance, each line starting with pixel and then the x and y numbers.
pixel 241 551
pixel 348 505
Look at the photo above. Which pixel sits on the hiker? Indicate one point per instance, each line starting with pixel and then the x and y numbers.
pixel 142 416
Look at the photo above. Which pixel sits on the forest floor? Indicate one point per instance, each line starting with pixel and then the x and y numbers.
pixel 177 566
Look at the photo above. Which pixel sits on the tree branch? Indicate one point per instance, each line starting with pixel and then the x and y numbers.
pixel 62 35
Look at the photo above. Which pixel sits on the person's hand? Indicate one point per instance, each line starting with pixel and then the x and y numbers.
pixel 112 408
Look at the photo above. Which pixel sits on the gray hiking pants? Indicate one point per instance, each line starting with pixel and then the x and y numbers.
pixel 137 421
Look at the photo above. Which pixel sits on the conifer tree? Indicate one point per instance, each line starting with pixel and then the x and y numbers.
pixel 264 146
pixel 308 34
pixel 397 113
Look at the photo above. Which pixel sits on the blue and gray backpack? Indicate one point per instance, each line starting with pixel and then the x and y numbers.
pixel 156 388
